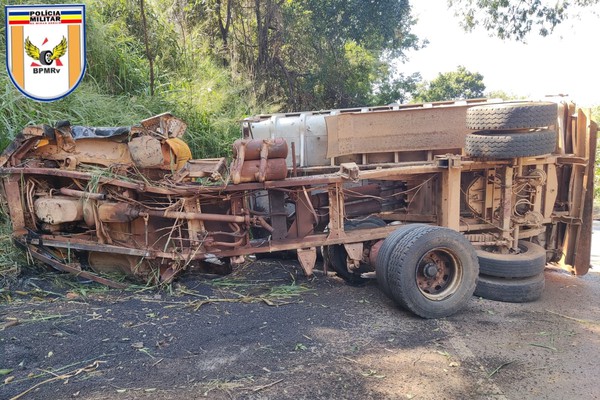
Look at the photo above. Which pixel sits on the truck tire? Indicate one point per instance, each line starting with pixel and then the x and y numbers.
pixel 337 255
pixel 510 145
pixel 499 117
pixel 369 222
pixel 381 264
pixel 433 271
pixel 530 262
pixel 521 290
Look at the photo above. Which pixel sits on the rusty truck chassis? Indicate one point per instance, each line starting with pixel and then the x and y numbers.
pixel 154 221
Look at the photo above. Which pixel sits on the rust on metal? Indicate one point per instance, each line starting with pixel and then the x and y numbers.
pixel 307 258
pixel 259 160
pixel 578 236
pixel 131 200
pixel 88 151
pixel 396 130
pixel 164 125
pixel 355 254
pixel 211 168
pixel 35 253
pixel 259 171
pixel 374 252
pixel 255 149
pixel 12 194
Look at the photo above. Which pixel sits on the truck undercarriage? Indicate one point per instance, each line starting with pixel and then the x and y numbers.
pixel 436 200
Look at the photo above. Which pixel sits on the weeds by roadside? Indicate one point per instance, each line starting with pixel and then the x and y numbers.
pixel 11 259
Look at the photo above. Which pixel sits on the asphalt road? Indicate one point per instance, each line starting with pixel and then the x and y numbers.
pixel 596 247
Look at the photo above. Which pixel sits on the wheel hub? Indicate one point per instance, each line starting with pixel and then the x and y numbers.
pixel 438 274
pixel 430 270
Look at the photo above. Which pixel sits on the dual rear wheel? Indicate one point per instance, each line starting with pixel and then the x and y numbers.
pixel 429 270
pixel 434 271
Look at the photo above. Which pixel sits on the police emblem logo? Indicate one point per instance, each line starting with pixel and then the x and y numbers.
pixel 45 49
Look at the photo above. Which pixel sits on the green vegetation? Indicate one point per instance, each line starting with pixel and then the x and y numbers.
pixel 214 62
pixel 10 257
pixel 116 89
pixel 517 19
pixel 459 84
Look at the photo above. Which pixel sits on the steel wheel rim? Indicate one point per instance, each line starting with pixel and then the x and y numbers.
pixel 438 274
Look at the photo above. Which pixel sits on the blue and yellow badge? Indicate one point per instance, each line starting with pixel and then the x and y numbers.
pixel 45 49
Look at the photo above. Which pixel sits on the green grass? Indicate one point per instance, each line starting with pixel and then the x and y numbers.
pixel 115 92
pixel 11 259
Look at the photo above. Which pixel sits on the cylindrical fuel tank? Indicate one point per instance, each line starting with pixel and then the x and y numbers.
pixel 276 148
pixel 276 169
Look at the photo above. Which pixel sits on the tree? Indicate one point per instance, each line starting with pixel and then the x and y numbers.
pixel 516 19
pixel 398 89
pixel 339 53
pixel 308 53
pixel 149 55
pixel 132 28
pixel 460 84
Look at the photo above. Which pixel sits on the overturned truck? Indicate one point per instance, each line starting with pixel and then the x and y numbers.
pixel 436 201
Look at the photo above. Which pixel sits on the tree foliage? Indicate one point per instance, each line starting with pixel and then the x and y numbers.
pixel 516 19
pixel 311 53
pixel 213 62
pixel 116 87
pixel 459 84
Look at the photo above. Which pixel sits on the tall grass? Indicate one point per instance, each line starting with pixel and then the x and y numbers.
pixel 212 106
pixel 115 90
pixel 85 106
pixel 11 258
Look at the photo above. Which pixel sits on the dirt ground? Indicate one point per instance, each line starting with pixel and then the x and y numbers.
pixel 267 333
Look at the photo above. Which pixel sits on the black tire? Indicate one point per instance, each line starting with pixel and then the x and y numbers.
pixel 510 145
pixel 498 117
pixel 381 264
pixel 521 290
pixel 433 271
pixel 530 262
pixel 369 222
pixel 337 254
pixel 45 57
